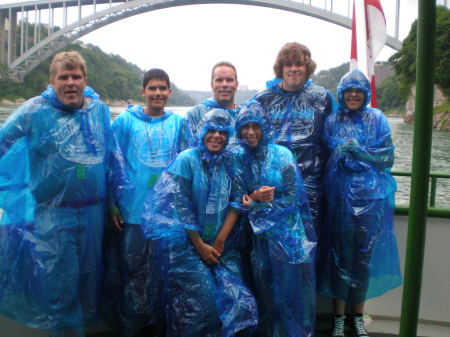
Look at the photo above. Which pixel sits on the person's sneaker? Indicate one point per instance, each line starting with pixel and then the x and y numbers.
pixel 357 326
pixel 337 330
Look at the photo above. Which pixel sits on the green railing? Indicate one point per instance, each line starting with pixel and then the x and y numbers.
pixel 437 212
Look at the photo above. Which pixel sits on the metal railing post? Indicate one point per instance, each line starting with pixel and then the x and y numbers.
pixel 423 119
pixel 433 191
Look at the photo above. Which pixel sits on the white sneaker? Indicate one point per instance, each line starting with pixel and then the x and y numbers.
pixel 337 330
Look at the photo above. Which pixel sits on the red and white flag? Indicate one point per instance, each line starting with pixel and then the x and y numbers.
pixel 368 38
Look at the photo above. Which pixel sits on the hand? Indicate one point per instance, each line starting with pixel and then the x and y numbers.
pixel 208 253
pixel 219 244
pixel 116 219
pixel 352 145
pixel 246 200
pixel 263 194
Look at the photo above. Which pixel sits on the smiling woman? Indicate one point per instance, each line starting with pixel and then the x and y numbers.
pixel 354 98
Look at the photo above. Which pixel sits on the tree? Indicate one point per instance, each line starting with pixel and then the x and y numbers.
pixel 404 61
pixel 387 94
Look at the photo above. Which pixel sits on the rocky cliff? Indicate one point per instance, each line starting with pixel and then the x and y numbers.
pixel 441 121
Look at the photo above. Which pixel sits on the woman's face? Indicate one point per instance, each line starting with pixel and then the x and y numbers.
pixel 215 140
pixel 354 98
pixel 252 133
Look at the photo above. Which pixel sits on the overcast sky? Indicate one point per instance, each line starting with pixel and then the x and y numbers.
pixel 187 41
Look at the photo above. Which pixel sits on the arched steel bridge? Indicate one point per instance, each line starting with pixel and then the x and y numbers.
pixel 40 37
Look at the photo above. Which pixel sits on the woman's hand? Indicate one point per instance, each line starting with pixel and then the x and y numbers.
pixel 208 253
pixel 116 219
pixel 263 194
pixel 246 200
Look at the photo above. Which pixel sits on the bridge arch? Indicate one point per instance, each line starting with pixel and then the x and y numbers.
pixel 30 58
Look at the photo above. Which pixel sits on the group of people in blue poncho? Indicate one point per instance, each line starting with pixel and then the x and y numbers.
pixel 226 222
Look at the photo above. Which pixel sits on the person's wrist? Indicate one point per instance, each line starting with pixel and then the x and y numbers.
pixel 220 239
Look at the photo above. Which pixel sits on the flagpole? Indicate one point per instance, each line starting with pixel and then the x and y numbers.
pixel 361 36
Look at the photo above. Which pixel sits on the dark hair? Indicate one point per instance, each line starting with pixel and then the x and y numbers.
pixel 225 64
pixel 155 73
pixel 293 51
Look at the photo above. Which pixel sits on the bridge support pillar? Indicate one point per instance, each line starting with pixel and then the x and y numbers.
pixel 12 49
pixel 3 38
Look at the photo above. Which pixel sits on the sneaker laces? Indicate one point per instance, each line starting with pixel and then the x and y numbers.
pixel 338 326
pixel 360 329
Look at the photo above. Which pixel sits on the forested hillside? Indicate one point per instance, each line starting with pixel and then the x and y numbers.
pixel 112 77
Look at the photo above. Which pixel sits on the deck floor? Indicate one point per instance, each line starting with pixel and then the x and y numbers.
pixel 318 334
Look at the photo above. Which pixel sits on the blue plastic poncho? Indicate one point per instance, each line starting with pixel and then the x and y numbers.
pixel 359 258
pixel 52 178
pixel 283 243
pixel 193 193
pixel 195 115
pixel 144 147
pixel 298 119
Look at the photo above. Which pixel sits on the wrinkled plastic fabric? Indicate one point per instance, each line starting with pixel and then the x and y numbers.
pixel 193 193
pixel 283 240
pixel 147 146
pixel 359 258
pixel 52 193
pixel 195 115
pixel 298 119
pixel 143 147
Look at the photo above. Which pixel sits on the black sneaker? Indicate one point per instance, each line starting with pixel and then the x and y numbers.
pixel 337 330
pixel 357 326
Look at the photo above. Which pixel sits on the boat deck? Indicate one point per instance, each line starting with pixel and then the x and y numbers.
pixel 318 334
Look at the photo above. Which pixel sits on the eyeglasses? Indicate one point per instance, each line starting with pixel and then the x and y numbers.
pixel 353 91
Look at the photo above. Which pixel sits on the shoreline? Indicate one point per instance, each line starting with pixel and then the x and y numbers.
pixel 112 102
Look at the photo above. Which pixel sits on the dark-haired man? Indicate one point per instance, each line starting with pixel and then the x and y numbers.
pixel 146 139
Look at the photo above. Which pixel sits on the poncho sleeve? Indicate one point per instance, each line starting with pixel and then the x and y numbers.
pixel 170 209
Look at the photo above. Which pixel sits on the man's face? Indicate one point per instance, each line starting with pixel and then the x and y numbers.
pixel 69 85
pixel 215 140
pixel 224 85
pixel 156 93
pixel 294 75
pixel 354 98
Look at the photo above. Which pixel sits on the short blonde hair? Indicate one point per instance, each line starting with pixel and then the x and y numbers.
pixel 293 51
pixel 70 60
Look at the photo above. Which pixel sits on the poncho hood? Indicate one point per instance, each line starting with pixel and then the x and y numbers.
pixel 273 85
pixel 138 112
pixel 218 120
pixel 353 79
pixel 253 112
pixel 50 95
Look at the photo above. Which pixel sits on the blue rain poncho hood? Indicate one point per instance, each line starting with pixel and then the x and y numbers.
pixel 354 79
pixel 274 85
pixel 217 120
pixel 50 95
pixel 253 112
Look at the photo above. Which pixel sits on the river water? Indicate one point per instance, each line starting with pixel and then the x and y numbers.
pixel 402 134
